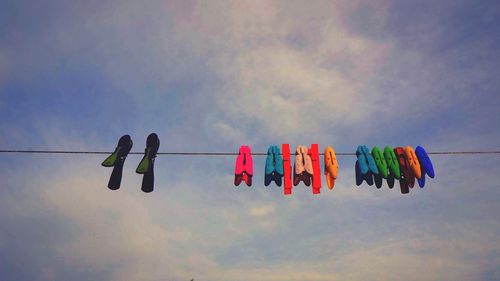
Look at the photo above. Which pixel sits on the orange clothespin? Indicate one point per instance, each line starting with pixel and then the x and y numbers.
pixel 412 161
pixel 331 166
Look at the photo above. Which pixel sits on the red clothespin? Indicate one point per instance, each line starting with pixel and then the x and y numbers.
pixel 406 173
pixel 316 176
pixel 244 166
pixel 410 175
pixel 287 168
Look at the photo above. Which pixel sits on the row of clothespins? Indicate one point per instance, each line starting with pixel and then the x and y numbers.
pixel 403 164
pixel 278 167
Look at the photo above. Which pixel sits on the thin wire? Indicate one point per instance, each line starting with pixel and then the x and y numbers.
pixel 217 153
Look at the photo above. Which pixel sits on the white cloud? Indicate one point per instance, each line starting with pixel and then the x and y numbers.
pixel 284 89
pixel 261 211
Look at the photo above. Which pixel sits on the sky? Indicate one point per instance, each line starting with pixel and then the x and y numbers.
pixel 215 75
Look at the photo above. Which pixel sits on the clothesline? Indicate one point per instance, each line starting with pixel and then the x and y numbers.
pixel 217 153
pixel 403 164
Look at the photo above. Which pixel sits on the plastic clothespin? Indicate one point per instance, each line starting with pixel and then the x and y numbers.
pixel 393 166
pixel 412 160
pixel 146 166
pixel 425 165
pixel 379 158
pixel 316 176
pixel 365 166
pixel 244 166
pixel 406 174
pixel 287 169
pixel 116 160
pixel 331 167
pixel 274 166
pixel 303 169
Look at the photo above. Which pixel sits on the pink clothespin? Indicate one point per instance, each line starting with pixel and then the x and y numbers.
pixel 303 169
pixel 244 166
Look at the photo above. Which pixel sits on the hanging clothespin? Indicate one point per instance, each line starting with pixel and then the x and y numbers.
pixel 379 158
pixel 287 169
pixel 425 165
pixel 146 166
pixel 116 160
pixel 365 166
pixel 393 166
pixel 316 176
pixel 366 161
pixel 244 166
pixel 331 167
pixel 274 166
pixel 406 176
pixel 412 161
pixel 303 166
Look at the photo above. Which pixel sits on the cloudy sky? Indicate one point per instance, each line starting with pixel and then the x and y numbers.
pixel 214 75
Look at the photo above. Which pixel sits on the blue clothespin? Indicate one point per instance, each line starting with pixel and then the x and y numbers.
pixel 365 166
pixel 274 166
pixel 425 165
pixel 366 161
